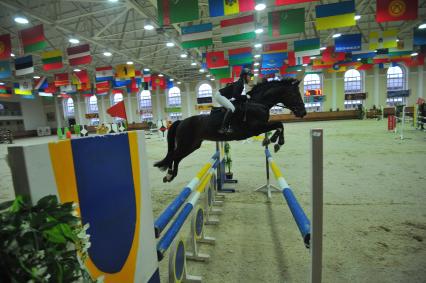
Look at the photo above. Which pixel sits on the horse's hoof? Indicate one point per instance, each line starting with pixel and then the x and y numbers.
pixel 276 147
pixel 265 142
pixel 165 180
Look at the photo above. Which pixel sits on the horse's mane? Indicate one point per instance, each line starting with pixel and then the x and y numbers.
pixel 268 84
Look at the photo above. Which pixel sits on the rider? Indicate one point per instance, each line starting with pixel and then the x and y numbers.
pixel 232 90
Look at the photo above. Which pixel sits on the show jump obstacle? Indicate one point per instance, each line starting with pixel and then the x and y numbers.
pixel 107 176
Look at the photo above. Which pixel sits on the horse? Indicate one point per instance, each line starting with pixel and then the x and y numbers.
pixel 249 119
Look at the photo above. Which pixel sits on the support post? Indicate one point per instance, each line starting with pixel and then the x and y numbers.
pixel 221 178
pixel 317 205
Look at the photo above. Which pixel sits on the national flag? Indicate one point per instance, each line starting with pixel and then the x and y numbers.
pixel 216 59
pixel 320 64
pixel 348 43
pixel 102 87
pixel 124 71
pixel 419 36
pixel 79 55
pixel 330 55
pixel 104 74
pixel 279 47
pixel 118 110
pixel 33 39
pixel 404 48
pixel 365 67
pixel 307 47
pixel 236 29
pixel 172 11
pixel 5 71
pixel 335 15
pixel 169 84
pixel 68 89
pixel 219 8
pixel 197 35
pixel 290 2
pixel 81 77
pixel 121 82
pixel 24 65
pixel 337 68
pixel 273 60
pixel 240 56
pixel 286 22
pixel 5 46
pixel 226 80
pixel 40 83
pixel 383 39
pixel 291 58
pixel 158 82
pixel 220 73
pixel 5 92
pixel 146 76
pixel 23 87
pixel 61 79
pixel 51 88
pixel 236 71
pixel 52 60
pixel 396 10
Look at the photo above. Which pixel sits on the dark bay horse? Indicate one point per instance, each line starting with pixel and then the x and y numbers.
pixel 249 119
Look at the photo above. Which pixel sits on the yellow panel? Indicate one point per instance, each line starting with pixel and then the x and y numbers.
pixel 233 8
pixel 345 20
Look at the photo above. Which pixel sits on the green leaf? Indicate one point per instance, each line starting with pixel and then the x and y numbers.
pixel 5 205
pixel 47 202
pixel 55 235
pixel 18 203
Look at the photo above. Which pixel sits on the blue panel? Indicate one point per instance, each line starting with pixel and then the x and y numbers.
pixel 335 9
pixel 216 8
pixel 107 197
pixel 347 43
pixel 197 28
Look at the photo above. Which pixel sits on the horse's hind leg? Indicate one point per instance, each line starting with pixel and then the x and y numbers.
pixel 179 155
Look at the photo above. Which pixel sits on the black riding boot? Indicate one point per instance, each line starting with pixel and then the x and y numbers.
pixel 225 128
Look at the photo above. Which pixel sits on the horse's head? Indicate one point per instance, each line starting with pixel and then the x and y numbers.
pixel 293 99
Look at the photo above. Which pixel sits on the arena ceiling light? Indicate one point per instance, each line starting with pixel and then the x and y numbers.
pixel 170 44
pixel 160 75
pixel 323 48
pixel 193 64
pixel 113 1
pixel 336 35
pixel 178 83
pixel 208 75
pixel 1 83
pixel 107 54
pixel 36 77
pixel 256 70
pixel 258 45
pixel 73 40
pixel 422 26
pixel 299 70
pixel 183 55
pixel 212 79
pixel 148 25
pixel 129 62
pixel 257 56
pixel 312 57
pixel 202 70
pixel 260 7
pixel 414 54
pixel 305 65
pixel 258 30
pixel 357 17
pixel 359 59
pixel 256 64
pixel 256 75
pixel 172 80
pixel 76 70
pixel 146 69
pixel 21 20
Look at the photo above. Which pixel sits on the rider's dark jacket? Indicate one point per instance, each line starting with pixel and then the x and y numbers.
pixel 234 90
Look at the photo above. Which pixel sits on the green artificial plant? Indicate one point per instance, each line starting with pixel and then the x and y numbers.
pixel 42 243
pixel 228 160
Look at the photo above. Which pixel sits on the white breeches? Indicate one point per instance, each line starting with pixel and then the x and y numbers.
pixel 222 100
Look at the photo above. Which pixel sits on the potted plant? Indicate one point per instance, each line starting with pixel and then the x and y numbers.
pixel 42 243
pixel 228 161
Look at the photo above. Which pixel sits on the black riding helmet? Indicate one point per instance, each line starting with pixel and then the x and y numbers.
pixel 236 88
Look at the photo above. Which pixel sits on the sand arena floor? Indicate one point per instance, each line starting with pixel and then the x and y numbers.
pixel 374 206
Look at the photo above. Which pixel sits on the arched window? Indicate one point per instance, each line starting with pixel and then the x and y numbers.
pixel 353 83
pixel 174 100
pixel 69 109
pixel 117 97
pixel 312 82
pixel 92 108
pixel 205 92
pixel 396 80
pixel 145 106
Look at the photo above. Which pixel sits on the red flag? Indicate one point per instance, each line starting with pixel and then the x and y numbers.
pixel 62 79
pixel 118 110
pixel 216 59
pixel 33 39
pixel 226 80
pixel 396 10
pixel 5 46
pixel 291 60
pixel 289 2
pixel 236 71
pixel 329 55
pixel 81 76
pixel 79 55
pixel 275 47
pixel 159 82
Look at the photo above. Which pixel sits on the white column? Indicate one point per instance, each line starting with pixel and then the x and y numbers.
pixel 157 97
pixel 334 92
pixel 79 116
pixel 188 99
pixel 102 116
pixel 420 77
pixel 58 113
pixel 376 93
pixel 129 108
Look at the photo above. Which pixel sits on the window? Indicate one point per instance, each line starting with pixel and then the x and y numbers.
pixel 174 100
pixel 92 108
pixel 205 90
pixel 396 80
pixel 311 82
pixel 145 106
pixel 353 84
pixel 69 110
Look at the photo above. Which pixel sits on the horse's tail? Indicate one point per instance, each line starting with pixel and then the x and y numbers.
pixel 171 138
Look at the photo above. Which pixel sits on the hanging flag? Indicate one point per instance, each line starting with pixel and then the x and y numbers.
pixel 118 110
pixel 5 46
pixel 419 36
pixel 102 87
pixel 219 8
pixel 5 92
pixel 51 88
pixel 23 87
pixel 5 71
pixel 24 65
pixel 68 89
pixel 80 79
pixel 121 82
pixel 396 10
pixel 158 82
pixel 286 22
pixel 104 74
pixel 237 29
pixel 79 55
pixel 307 47
pixel 146 76
pixel 290 2
pixel 335 15
pixel 337 68
pixel 291 58
pixel 124 71
pixel 61 79
pixel 33 39
pixel 383 39
pixel 40 83
pixel 273 60
pixel 329 55
pixel 240 56
pixel 197 35
pixel 52 60
pixel 348 43
pixel 216 59
pixel 320 64
pixel 172 11
pixel 220 73
pixel 279 47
